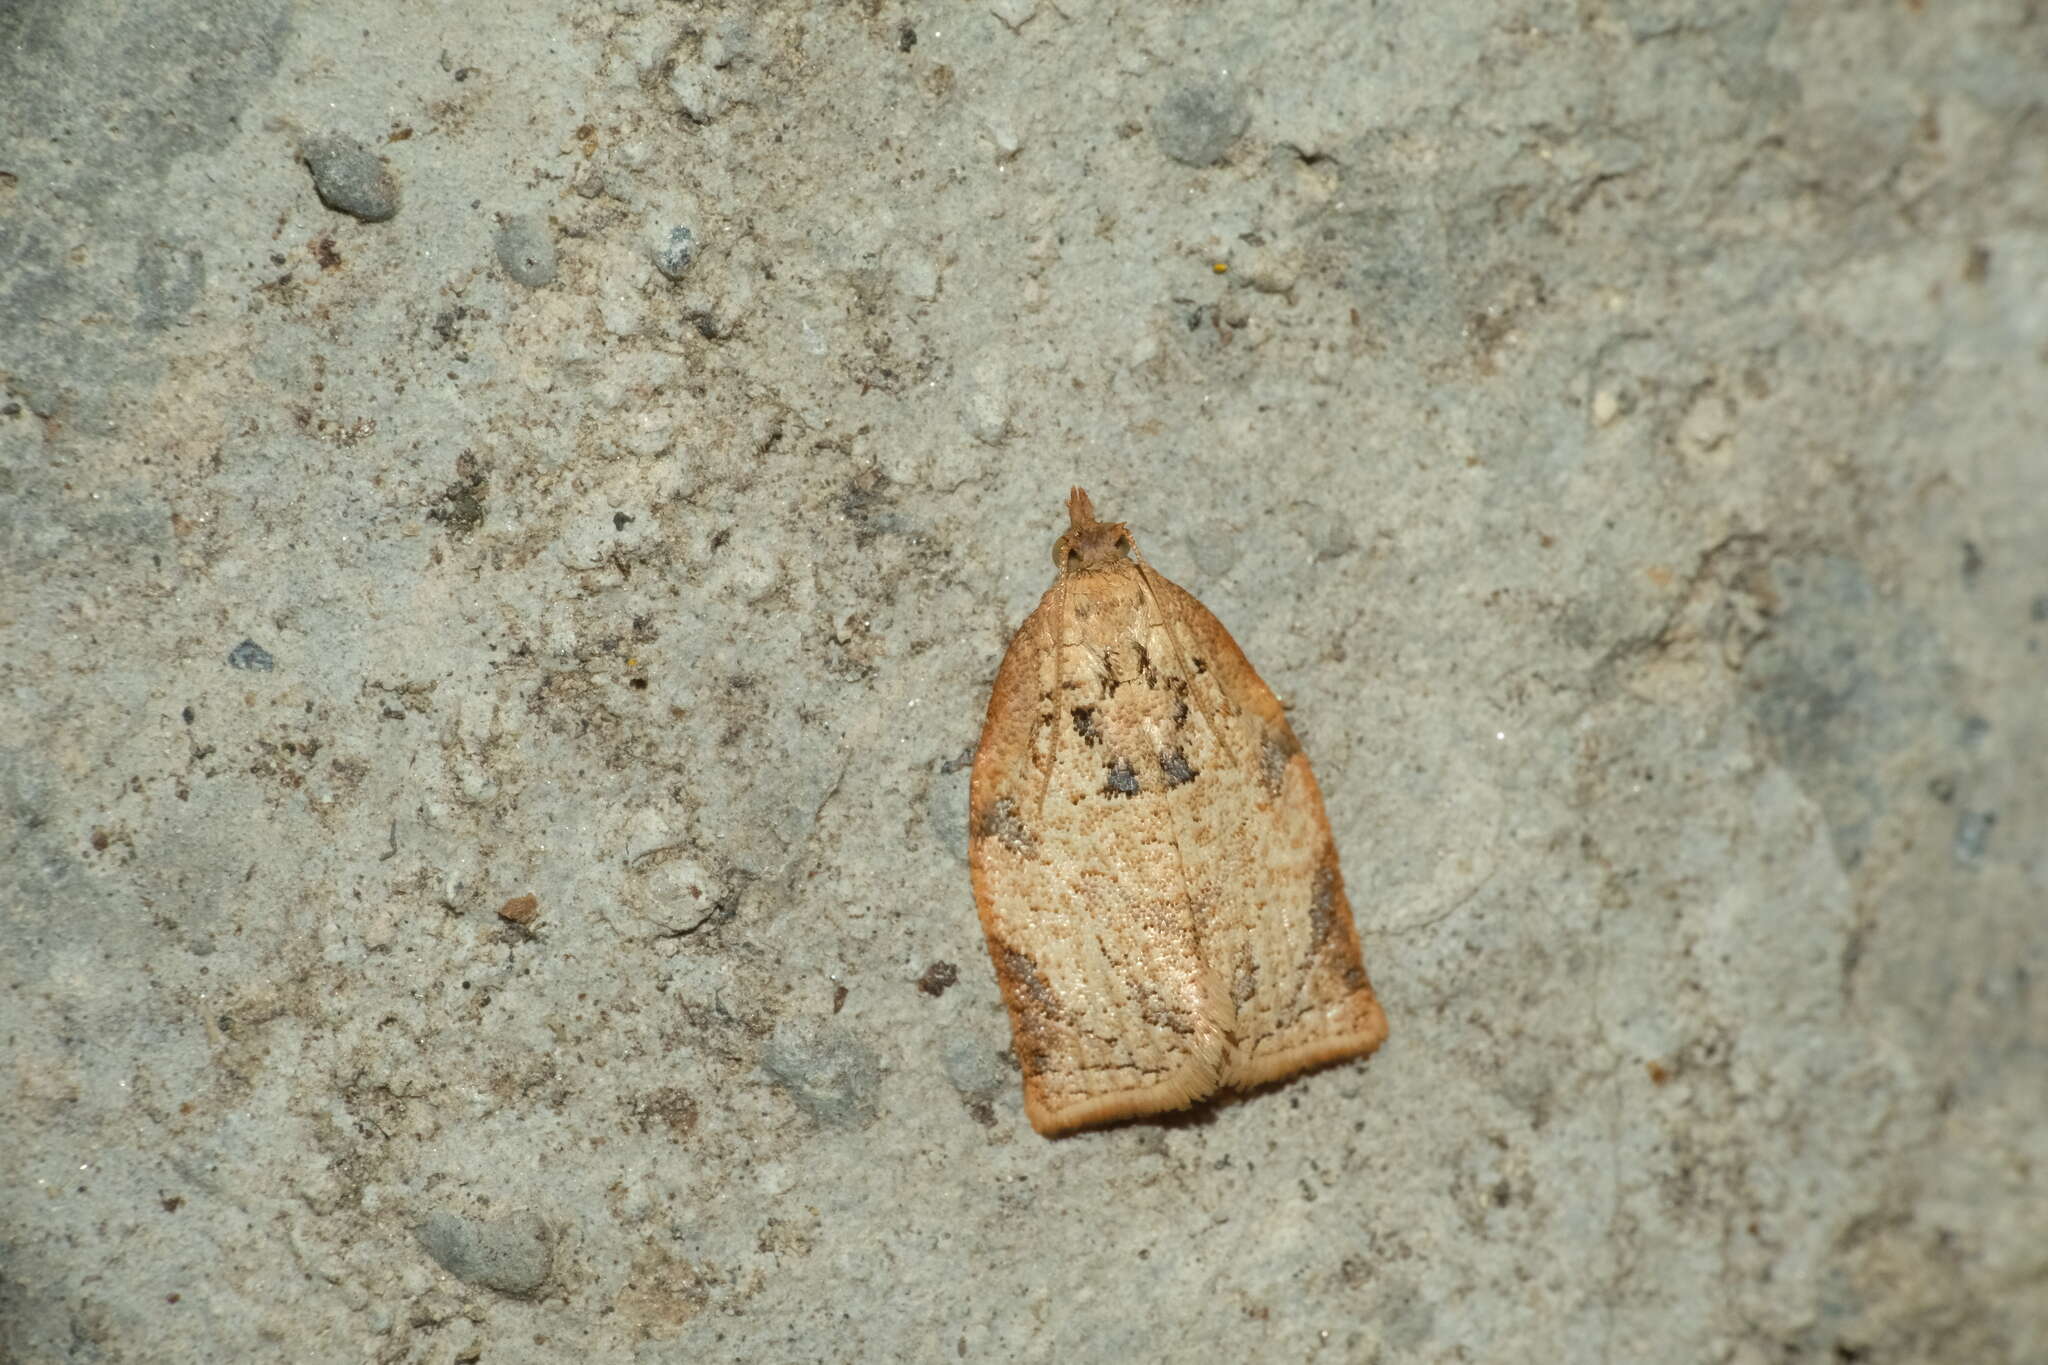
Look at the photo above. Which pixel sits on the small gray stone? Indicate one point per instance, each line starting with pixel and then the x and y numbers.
pixel 1328 532
pixel 350 178
pixel 169 278
pixel 510 1255
pixel 945 809
pixel 1973 832
pixel 1196 122
pixel 831 1075
pixel 526 251
pixel 726 46
pixel 975 1069
pixel 674 250
pixel 985 411
pixel 252 656
pixel 697 92
pixel 1217 546
pixel 43 399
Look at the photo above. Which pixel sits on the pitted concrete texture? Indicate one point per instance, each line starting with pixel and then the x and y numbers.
pixel 1616 430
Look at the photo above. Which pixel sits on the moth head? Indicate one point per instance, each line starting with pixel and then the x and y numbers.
pixel 1088 543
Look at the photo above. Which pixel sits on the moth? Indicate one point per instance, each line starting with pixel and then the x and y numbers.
pixel 1151 860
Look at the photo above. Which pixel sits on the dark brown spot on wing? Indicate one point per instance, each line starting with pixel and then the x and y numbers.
pixel 1274 756
pixel 1121 781
pixel 1084 724
pixel 1174 763
pixel 1001 823
pixel 1322 903
pixel 1033 1039
pixel 1036 1014
pixel 1020 970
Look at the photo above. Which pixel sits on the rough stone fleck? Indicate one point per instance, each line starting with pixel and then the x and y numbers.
pixel 1197 122
pixel 1973 832
pixel 511 1255
pixel 350 178
pixel 526 251
pixel 974 1068
pixel 675 248
pixel 830 1074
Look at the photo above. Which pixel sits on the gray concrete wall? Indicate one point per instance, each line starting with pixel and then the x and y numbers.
pixel 1617 428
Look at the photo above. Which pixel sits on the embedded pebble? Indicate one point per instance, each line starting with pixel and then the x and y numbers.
pixel 381 931
pixel 510 1255
pixel 1216 546
pixel 697 94
pixel 474 784
pixel 674 249
pixel 945 810
pixel 1272 272
pixel 525 250
pixel 251 656
pixel 973 1067
pixel 728 44
pixel 1973 832
pixel 830 1075
pixel 168 283
pixel 621 314
pixel 1003 134
pixel 985 407
pixel 1197 122
pixel 350 178
pixel 918 276
pixel 1328 532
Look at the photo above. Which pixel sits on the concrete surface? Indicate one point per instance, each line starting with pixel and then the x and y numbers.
pixel 1616 426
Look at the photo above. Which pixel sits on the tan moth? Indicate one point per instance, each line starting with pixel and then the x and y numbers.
pixel 1154 871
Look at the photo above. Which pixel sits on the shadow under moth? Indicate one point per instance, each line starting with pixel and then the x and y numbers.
pixel 1153 868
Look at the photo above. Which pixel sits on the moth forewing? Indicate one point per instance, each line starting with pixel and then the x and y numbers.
pixel 1151 860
